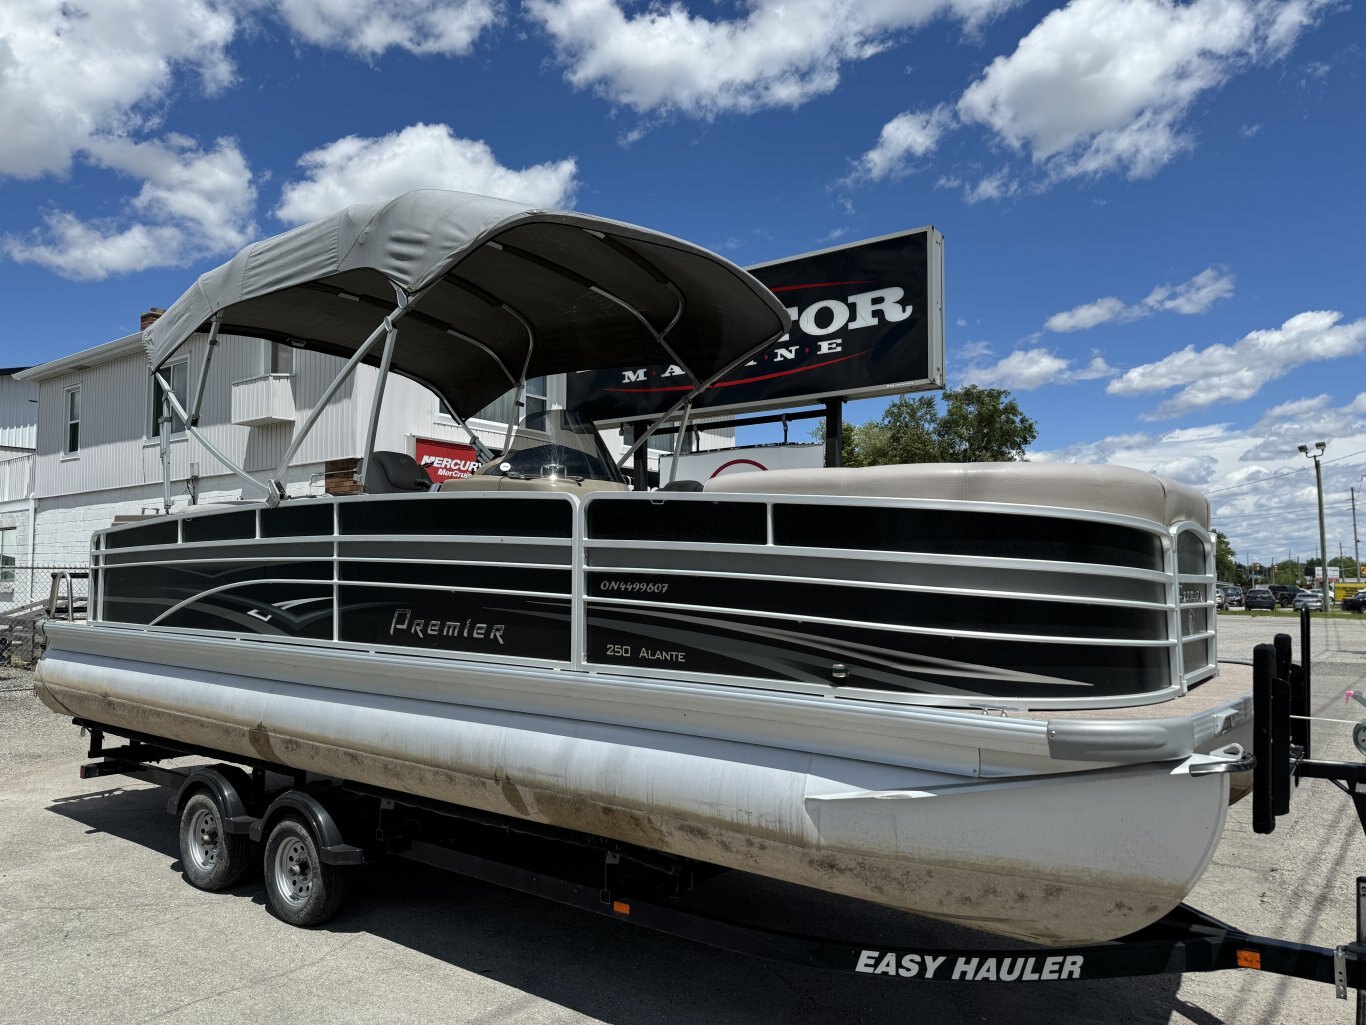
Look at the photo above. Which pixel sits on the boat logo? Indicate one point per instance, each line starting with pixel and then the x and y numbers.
pixel 404 624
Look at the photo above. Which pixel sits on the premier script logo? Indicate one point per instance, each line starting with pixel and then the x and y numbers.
pixel 405 626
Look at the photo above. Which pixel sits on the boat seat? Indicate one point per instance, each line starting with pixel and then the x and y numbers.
pixel 393 472
pixel 1091 486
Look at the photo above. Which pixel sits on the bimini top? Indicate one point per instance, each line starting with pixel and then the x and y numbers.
pixel 490 279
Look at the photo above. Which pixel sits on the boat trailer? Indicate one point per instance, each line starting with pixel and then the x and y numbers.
pixel 353 824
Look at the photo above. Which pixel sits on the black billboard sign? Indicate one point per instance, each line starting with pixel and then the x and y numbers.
pixel 867 319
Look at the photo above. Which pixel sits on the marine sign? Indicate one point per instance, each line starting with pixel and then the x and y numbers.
pixel 867 319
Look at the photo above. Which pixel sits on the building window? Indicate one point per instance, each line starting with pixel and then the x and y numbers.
pixel 279 358
pixel 178 376
pixel 502 411
pixel 9 548
pixel 73 421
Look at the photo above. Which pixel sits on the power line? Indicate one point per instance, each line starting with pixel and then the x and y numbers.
pixel 1276 476
pixel 1342 506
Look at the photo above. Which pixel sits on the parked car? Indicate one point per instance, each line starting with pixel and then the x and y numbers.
pixel 1354 602
pixel 1233 594
pixel 1312 600
pixel 1220 602
pixel 1285 593
pixel 1259 598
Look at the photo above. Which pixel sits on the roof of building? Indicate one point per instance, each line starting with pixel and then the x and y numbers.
pixel 83 360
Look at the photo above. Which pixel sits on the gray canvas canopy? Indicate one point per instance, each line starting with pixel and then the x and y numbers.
pixel 486 288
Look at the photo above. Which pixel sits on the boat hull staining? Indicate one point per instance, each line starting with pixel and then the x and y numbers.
pixel 1014 856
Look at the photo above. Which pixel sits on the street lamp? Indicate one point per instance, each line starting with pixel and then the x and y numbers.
pixel 1317 455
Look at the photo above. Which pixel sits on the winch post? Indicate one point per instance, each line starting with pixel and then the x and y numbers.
pixel 1264 714
pixel 1282 759
pixel 1304 654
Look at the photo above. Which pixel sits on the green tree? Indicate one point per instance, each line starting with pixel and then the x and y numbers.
pixel 1346 564
pixel 1288 571
pixel 977 425
pixel 1225 562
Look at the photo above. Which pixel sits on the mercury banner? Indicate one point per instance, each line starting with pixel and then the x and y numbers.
pixel 867 319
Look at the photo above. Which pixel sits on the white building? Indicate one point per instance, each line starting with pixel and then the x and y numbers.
pixel 98 446
pixel 18 434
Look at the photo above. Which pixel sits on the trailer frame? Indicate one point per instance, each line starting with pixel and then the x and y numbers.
pixel 354 824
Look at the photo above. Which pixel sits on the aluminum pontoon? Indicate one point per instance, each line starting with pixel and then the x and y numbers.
pixel 983 693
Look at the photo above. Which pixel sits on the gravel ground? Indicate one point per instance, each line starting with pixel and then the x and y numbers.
pixel 97 925
pixel 29 733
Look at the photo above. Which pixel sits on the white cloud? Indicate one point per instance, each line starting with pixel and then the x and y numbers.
pixel 1079 318
pixel 192 204
pixel 1190 297
pixel 370 27
pixel 1261 490
pixel 1105 86
pixel 90 82
pixel 1097 368
pixel 1283 428
pixel 69 74
pixel 1194 469
pixel 421 156
pixel 1194 296
pixel 906 137
pixel 1231 373
pixel 1029 369
pixel 780 53
pixel 997 185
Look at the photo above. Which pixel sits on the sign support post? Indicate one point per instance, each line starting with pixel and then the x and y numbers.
pixel 640 466
pixel 834 432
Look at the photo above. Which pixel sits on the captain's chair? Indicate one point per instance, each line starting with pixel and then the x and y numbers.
pixel 390 472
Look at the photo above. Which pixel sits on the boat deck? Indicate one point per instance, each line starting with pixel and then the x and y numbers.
pixel 1233 682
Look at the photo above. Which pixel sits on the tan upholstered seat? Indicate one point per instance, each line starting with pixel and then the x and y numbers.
pixel 1091 486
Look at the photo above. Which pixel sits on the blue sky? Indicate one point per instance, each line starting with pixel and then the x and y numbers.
pixel 1153 211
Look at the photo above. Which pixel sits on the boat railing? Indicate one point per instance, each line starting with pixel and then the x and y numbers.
pixel 62 598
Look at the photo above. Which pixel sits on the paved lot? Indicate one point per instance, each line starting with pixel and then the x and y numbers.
pixel 96 924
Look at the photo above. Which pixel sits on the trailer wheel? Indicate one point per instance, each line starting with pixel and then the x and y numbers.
pixel 210 857
pixel 300 888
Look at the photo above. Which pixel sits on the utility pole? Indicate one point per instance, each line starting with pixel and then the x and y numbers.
pixel 1317 456
pixel 1356 541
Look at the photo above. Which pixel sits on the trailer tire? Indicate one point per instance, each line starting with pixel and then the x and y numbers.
pixel 300 888
pixel 210 857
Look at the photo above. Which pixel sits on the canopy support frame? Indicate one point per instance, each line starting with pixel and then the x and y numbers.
pixel 168 397
pixel 367 452
pixel 195 407
pixel 276 488
pixel 644 436
pixel 678 443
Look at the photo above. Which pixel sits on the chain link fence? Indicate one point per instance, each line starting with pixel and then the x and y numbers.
pixel 30 594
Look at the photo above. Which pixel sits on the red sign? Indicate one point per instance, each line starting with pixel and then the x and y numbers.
pixel 446 460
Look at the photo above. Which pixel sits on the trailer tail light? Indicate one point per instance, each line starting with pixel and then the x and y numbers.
pixel 1250 959
pixel 621 907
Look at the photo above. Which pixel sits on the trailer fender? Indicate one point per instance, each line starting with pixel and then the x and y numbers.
pixel 227 784
pixel 309 807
